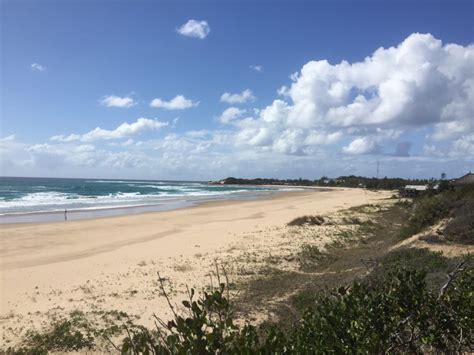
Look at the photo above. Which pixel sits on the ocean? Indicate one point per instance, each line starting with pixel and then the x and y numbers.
pixel 46 199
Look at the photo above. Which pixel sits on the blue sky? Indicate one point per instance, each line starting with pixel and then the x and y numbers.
pixel 70 66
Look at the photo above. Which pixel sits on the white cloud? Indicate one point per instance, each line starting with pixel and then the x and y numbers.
pixel 62 138
pixel 37 67
pixel 243 97
pixel 195 29
pixel 419 83
pixel 257 68
pixel 179 102
pixel 9 138
pixel 322 138
pixel 464 146
pixel 117 101
pixel 128 142
pixel 461 148
pixel 231 114
pixel 362 145
pixel 122 131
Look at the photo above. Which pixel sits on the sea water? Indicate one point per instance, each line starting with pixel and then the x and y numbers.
pixel 46 199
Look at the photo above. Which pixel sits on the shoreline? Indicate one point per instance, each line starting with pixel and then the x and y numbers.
pixel 109 264
pixel 167 204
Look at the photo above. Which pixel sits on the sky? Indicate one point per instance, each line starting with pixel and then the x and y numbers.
pixel 202 90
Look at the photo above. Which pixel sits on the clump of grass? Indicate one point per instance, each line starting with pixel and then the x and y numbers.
pixel 184 267
pixel 368 208
pixel 67 334
pixel 307 221
pixel 404 203
pixel 352 220
pixel 311 256
pixel 432 239
pixel 335 244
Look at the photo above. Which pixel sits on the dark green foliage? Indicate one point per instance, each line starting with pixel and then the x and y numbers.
pixel 208 328
pixel 404 203
pixel 415 258
pixel 397 315
pixel 307 221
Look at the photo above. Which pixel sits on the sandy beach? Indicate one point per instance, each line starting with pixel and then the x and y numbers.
pixel 108 264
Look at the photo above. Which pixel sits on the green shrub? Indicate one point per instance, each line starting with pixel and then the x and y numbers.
pixel 415 258
pixel 398 314
pixel 457 205
pixel 426 212
pixel 460 228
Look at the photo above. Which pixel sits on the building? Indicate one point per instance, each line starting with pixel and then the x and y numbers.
pixel 412 190
pixel 467 179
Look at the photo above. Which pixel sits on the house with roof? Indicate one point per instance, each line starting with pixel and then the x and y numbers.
pixel 467 179
pixel 412 190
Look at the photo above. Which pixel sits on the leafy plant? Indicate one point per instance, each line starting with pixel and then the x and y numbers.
pixel 397 315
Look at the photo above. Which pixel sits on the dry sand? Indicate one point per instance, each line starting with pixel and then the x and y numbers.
pixel 110 264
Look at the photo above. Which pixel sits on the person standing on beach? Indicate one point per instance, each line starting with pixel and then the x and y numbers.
pixel 65 214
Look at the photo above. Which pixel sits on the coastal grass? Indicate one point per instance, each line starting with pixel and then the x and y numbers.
pixel 348 257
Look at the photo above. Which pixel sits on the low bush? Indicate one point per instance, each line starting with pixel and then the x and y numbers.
pixel 398 315
pixel 457 205
pixel 426 212
pixel 460 227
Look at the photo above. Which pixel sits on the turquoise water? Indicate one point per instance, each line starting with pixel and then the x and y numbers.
pixel 34 195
